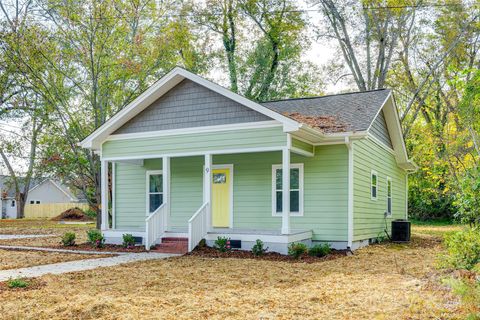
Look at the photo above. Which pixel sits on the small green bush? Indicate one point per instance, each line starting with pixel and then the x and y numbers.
pixel 222 244
pixel 91 213
pixel 17 283
pixel 68 239
pixel 469 292
pixel 296 250
pixel 320 250
pixel 95 238
pixel 258 248
pixel 463 249
pixel 128 240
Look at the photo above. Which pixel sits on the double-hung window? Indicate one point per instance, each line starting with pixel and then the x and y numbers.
pixel 154 190
pixel 389 196
pixel 296 189
pixel 373 185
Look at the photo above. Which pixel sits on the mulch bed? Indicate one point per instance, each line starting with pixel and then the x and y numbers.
pixel 105 248
pixel 208 252
pixel 74 214
pixel 33 284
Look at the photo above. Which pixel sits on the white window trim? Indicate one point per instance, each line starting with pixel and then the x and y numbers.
pixel 389 214
pixel 275 167
pixel 373 172
pixel 147 188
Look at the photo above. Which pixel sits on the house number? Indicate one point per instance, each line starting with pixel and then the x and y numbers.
pixel 207 170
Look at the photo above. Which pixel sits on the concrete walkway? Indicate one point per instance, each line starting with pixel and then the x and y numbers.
pixel 24 236
pixel 61 250
pixel 80 265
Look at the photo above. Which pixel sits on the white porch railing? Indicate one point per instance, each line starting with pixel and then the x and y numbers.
pixel 155 226
pixel 197 227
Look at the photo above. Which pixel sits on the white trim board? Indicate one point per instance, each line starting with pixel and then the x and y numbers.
pixel 183 131
pixel 196 153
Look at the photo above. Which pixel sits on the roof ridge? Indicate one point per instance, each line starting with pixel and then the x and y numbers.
pixel 328 95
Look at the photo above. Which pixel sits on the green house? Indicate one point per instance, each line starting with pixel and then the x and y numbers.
pixel 189 159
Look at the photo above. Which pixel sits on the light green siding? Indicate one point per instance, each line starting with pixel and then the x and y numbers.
pixel 130 194
pixel 369 219
pixel 302 145
pixel 325 191
pixel 186 183
pixel 198 142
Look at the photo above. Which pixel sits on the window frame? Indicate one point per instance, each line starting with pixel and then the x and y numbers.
pixel 372 173
pixel 147 189
pixel 389 213
pixel 298 166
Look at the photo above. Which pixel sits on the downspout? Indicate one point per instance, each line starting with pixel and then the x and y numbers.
pixel 349 145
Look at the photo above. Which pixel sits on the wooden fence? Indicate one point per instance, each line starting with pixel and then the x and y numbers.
pixel 50 210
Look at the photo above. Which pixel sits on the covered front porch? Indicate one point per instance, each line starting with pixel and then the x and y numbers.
pixel 206 196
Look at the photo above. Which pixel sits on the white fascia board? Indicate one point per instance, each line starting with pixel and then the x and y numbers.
pixel 161 87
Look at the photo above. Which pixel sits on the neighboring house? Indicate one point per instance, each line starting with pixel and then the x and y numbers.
pixel 42 191
pixel 192 159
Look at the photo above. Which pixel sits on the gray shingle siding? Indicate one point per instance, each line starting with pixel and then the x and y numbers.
pixel 379 130
pixel 190 105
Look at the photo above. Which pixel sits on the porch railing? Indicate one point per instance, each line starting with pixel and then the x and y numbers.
pixel 155 226
pixel 197 227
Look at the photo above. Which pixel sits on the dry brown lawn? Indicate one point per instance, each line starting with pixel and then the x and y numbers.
pixel 10 259
pixel 41 227
pixel 379 282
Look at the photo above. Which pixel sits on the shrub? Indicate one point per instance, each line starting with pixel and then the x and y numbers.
pixel 469 292
pixel 95 238
pixel 296 250
pixel 222 244
pixel 320 250
pixel 91 213
pixel 128 240
pixel 463 249
pixel 68 239
pixel 17 283
pixel 258 248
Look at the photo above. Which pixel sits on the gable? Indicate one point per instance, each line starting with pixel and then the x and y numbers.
pixel 189 105
pixel 48 192
pixel 380 131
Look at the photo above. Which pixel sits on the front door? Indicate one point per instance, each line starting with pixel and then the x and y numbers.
pixel 221 197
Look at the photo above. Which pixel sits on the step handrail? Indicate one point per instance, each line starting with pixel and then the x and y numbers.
pixel 154 226
pixel 197 226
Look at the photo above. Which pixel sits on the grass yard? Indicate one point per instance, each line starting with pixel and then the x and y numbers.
pixel 10 259
pixel 386 281
pixel 41 226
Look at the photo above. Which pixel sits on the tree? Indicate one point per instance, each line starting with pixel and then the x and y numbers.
pixel 367 33
pixel 91 58
pixel 262 43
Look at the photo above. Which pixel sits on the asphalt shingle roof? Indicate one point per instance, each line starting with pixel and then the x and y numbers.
pixel 342 112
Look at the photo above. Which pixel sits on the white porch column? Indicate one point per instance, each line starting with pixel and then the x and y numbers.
pixel 104 191
pixel 285 191
pixel 166 189
pixel 207 188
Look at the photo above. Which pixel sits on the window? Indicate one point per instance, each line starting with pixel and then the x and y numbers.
pixel 37 202
pixel 154 190
pixel 389 196
pixel 12 204
pixel 296 190
pixel 373 185
pixel 32 202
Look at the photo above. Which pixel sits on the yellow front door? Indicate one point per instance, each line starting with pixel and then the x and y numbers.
pixel 221 197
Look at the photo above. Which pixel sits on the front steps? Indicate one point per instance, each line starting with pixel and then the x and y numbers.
pixel 172 245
